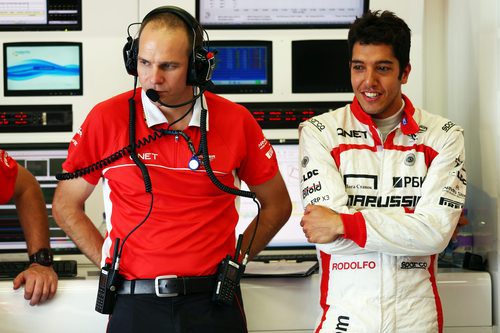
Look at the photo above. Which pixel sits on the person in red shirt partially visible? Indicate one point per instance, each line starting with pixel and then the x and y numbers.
pixel 39 279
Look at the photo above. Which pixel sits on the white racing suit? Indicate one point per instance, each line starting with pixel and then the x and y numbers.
pixel 399 201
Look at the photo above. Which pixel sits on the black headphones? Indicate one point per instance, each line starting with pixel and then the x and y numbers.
pixel 201 61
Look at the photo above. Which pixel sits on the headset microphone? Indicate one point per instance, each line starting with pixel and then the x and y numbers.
pixel 155 97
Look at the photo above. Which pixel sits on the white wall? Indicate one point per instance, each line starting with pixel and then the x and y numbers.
pixel 463 80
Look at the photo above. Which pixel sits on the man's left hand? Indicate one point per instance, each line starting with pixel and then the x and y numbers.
pixel 40 283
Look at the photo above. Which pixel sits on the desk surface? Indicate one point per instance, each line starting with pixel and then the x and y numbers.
pixel 271 304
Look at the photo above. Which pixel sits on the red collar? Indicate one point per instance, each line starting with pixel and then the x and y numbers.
pixel 408 123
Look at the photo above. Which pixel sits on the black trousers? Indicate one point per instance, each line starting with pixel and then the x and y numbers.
pixel 194 313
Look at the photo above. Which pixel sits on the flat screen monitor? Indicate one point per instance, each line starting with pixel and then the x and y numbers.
pixel 34 15
pixel 278 14
pixel 242 67
pixel 42 68
pixel 320 66
pixel 291 235
pixel 44 161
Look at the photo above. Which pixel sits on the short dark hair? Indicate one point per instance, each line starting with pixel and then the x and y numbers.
pixel 382 27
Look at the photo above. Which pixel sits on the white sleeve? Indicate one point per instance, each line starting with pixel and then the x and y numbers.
pixel 322 184
pixel 429 228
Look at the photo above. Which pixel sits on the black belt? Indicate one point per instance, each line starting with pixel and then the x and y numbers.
pixel 168 285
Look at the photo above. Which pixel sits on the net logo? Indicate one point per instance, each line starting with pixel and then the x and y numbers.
pixel 147 156
pixel 352 133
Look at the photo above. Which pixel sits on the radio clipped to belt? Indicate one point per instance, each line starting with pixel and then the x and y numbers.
pixel 109 283
pixel 228 277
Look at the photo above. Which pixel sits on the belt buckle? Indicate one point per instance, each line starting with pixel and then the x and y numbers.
pixel 157 287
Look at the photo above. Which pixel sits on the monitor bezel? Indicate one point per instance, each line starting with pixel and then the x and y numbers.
pixel 260 26
pixel 246 88
pixel 48 26
pixel 42 92
pixel 301 66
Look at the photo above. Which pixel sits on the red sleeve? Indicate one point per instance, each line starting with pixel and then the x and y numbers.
pixel 85 147
pixel 259 164
pixel 103 133
pixel 354 228
pixel 8 175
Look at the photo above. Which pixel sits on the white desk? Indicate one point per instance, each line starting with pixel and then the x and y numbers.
pixel 271 304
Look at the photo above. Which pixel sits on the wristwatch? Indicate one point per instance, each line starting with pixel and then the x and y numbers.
pixel 43 257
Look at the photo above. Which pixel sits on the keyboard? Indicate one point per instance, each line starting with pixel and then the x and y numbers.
pixel 286 257
pixel 63 268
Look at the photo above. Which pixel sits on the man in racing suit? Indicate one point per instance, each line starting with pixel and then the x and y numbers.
pixel 383 185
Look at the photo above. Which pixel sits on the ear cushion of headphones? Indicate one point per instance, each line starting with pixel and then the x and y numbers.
pixel 130 51
pixel 200 68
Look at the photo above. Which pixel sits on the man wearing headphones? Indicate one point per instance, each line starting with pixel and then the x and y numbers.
pixel 39 279
pixel 173 237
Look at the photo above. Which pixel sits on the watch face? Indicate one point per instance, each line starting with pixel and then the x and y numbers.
pixel 42 257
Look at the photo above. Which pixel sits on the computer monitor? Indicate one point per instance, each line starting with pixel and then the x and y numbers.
pixel 33 15
pixel 42 68
pixel 278 14
pixel 242 67
pixel 320 66
pixel 44 161
pixel 291 235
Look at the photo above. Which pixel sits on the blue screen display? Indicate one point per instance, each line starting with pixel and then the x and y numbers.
pixel 41 67
pixel 241 65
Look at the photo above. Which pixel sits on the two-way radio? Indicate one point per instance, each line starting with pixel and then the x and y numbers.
pixel 228 277
pixel 109 282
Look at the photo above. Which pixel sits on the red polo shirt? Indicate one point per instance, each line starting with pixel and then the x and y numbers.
pixel 191 227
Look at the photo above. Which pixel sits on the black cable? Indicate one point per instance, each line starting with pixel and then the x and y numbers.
pixel 182 117
pixel 117 155
pixel 206 161
pixel 215 180
pixel 136 227
pixel 132 152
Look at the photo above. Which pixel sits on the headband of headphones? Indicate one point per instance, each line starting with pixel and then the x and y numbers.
pixel 201 61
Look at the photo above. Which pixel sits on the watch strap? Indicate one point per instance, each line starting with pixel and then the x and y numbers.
pixel 43 257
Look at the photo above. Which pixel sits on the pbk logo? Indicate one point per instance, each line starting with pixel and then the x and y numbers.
pixel 404 182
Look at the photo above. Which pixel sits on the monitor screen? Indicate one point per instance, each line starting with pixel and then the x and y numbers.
pixel 242 67
pixel 33 15
pixel 320 66
pixel 278 14
pixel 291 235
pixel 42 68
pixel 44 161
